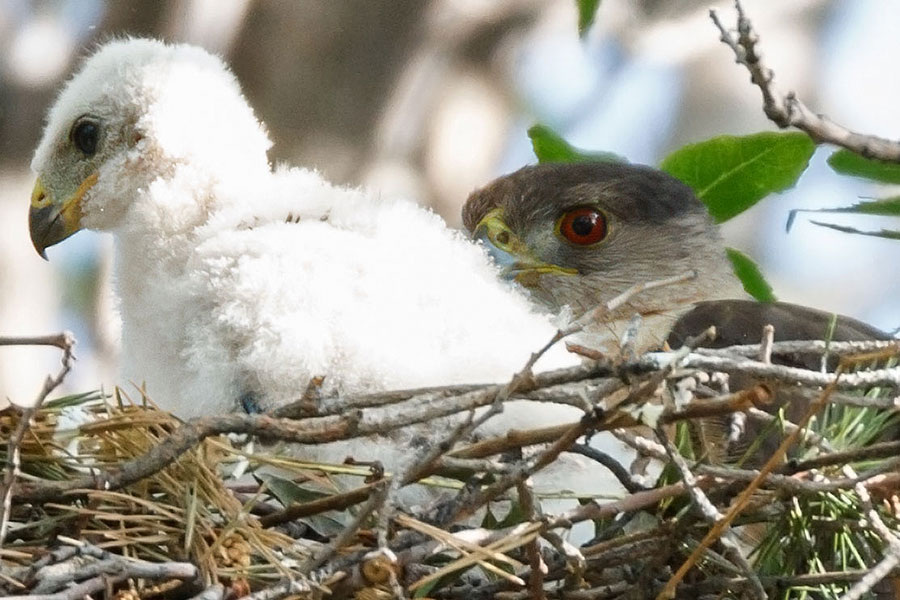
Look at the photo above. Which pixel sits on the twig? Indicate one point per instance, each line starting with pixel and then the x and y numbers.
pixel 711 514
pixel 739 502
pixel 77 591
pixel 66 342
pixel 63 340
pixel 814 347
pixel 627 504
pixel 376 499
pixel 765 345
pixel 873 451
pixel 451 540
pixel 522 472
pixel 597 314
pixel 576 564
pixel 213 592
pixel 53 578
pixel 888 563
pixel 887 377
pixel 533 548
pixel 788 110
pixel 287 588
pixel 757 396
pixel 614 466
pixel 515 537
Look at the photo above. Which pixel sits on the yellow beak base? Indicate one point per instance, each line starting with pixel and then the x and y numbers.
pixel 516 259
pixel 50 223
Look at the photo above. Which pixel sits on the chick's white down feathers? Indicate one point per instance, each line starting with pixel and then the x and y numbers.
pixel 236 278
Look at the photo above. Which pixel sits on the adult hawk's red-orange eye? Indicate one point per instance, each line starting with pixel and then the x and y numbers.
pixel 583 226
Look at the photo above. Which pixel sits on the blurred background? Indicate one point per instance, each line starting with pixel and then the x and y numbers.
pixel 429 100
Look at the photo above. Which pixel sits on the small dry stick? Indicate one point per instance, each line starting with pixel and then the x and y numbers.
pixel 533 548
pixel 742 499
pixel 466 549
pixel 888 563
pixel 816 347
pixel 213 592
pixel 887 377
pixel 66 342
pixel 788 111
pixel 300 587
pixel 765 346
pixel 375 501
pixel 54 578
pixel 711 514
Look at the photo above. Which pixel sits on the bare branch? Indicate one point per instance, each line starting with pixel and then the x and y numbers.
pixel 788 110
pixel 711 515
pixel 739 502
pixel 66 342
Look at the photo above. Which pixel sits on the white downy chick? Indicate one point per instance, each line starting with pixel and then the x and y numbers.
pixel 238 281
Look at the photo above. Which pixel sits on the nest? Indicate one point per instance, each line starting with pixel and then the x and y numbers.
pixel 110 496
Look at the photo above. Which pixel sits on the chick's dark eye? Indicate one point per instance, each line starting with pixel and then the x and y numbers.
pixel 85 135
pixel 583 226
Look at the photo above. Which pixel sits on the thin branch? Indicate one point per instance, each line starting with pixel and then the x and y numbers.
pixel 55 577
pixel 887 377
pixel 739 502
pixel 613 465
pixel 282 590
pixel 213 592
pixel 885 565
pixel 66 342
pixel 813 347
pixel 532 548
pixel 788 110
pixel 765 345
pixel 374 502
pixel 711 514
pixel 873 451
pixel 79 590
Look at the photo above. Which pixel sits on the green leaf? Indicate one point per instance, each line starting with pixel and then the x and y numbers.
pixel 515 516
pixel 851 163
pixel 550 147
pixel 750 275
pixel 732 173
pixel 288 492
pixel 489 521
pixel 888 207
pixel 587 12
pixel 887 234
pixel 423 591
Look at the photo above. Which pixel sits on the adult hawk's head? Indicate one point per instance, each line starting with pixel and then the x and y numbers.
pixel 578 235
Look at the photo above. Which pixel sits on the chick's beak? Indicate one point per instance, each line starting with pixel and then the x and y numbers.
pixel 517 261
pixel 50 221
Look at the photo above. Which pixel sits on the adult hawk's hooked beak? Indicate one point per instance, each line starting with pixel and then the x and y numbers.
pixel 50 220
pixel 516 260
